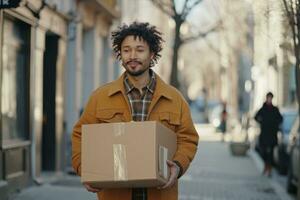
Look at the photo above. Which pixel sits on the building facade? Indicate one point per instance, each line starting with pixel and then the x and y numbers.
pixel 52 55
pixel 273 61
pixel 91 62
pixel 33 48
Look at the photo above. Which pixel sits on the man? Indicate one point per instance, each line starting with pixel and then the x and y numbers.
pixel 140 95
pixel 269 119
pixel 223 124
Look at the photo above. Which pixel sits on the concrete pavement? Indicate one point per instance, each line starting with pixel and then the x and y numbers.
pixel 217 175
pixel 64 187
pixel 214 175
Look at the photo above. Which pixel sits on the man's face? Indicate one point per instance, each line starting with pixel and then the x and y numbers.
pixel 269 99
pixel 135 55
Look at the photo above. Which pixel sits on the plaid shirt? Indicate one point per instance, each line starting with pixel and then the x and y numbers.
pixel 139 105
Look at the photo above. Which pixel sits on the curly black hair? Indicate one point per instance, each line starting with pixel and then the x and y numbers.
pixel 143 30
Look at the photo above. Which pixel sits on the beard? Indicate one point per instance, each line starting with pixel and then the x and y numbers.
pixel 135 73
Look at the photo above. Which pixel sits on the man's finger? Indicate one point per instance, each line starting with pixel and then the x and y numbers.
pixel 166 185
pixel 92 189
pixel 170 182
pixel 173 176
pixel 170 163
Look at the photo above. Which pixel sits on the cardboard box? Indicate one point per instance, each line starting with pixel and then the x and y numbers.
pixel 132 154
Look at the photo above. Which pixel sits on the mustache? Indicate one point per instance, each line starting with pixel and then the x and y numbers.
pixel 130 61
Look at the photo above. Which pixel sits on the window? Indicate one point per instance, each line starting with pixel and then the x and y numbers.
pixel 15 80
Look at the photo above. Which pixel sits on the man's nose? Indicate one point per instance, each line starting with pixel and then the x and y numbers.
pixel 133 55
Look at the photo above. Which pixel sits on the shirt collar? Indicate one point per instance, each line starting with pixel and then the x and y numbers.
pixel 161 88
pixel 150 86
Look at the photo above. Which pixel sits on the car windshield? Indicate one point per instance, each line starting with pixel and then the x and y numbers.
pixel 288 121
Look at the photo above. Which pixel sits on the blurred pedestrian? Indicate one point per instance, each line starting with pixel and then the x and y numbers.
pixel 223 123
pixel 269 118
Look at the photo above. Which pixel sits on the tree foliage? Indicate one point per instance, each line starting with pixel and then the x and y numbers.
pixel 178 12
pixel 292 11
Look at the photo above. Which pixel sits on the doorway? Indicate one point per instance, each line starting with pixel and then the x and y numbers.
pixel 48 145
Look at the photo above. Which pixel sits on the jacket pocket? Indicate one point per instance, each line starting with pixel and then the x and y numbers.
pixel 170 120
pixel 110 115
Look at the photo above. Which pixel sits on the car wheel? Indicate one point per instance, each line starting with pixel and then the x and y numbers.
pixel 290 187
pixel 282 160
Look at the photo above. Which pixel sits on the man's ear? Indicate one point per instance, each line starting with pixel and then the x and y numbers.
pixel 152 55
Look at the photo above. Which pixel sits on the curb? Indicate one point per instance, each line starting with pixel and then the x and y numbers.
pixel 280 191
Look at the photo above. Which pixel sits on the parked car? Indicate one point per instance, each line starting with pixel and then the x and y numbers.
pixel 200 110
pixel 280 153
pixel 294 153
pixel 197 114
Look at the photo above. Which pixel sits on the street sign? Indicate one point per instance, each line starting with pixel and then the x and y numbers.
pixel 9 4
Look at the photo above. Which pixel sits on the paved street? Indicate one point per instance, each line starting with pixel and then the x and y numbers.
pixel 214 175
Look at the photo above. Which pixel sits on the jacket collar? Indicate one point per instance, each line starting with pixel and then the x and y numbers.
pixel 150 86
pixel 161 89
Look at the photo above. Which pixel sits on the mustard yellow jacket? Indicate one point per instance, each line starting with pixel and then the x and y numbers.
pixel 110 104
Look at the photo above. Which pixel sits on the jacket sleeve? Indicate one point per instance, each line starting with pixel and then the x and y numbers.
pixel 279 116
pixel 258 116
pixel 88 117
pixel 187 140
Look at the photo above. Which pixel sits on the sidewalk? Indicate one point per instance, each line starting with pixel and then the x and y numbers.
pixel 214 175
pixel 217 175
pixel 65 187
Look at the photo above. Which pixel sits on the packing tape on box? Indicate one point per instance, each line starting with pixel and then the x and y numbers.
pixel 119 129
pixel 120 162
pixel 162 166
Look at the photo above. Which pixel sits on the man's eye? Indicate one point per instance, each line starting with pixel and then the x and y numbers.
pixel 125 50
pixel 140 50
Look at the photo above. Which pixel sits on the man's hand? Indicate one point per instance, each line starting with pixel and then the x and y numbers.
pixel 90 188
pixel 174 171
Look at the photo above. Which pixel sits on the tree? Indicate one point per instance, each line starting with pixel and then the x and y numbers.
pixel 292 11
pixel 179 16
